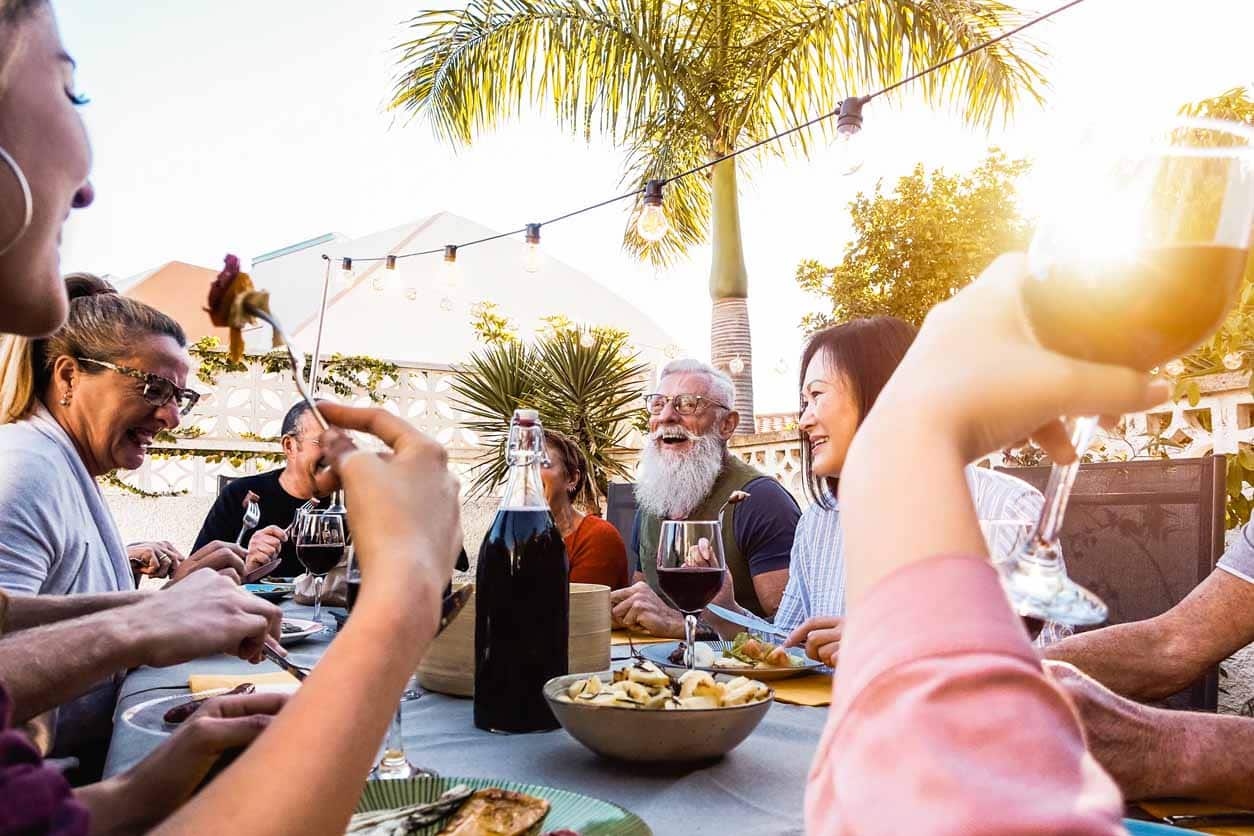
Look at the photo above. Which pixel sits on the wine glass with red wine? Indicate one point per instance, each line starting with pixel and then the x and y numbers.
pixel 690 567
pixel 1140 262
pixel 320 546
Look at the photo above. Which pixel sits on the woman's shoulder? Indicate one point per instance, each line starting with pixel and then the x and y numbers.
pixel 596 528
pixel 23 446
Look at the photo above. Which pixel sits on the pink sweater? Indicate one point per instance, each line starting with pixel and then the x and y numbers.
pixel 943 722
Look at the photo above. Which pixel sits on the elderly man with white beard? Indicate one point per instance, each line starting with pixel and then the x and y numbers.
pixel 686 472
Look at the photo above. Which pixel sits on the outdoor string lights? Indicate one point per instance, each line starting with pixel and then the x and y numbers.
pixel 652 224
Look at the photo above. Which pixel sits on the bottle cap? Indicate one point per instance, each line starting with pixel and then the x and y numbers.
pixel 526 416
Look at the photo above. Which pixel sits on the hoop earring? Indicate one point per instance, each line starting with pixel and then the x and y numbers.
pixel 27 200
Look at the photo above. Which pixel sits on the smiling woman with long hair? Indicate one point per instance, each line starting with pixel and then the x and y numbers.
pixel 843 370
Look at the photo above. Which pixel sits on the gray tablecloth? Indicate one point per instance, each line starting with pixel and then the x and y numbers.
pixel 757 789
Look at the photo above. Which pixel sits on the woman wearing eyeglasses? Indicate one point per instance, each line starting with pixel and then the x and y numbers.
pixel 87 400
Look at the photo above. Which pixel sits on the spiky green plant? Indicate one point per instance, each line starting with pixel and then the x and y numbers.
pixel 589 392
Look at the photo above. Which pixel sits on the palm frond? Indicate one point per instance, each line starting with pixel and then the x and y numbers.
pixel 487 388
pixel 598 64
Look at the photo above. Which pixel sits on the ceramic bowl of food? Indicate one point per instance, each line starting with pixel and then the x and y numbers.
pixel 654 723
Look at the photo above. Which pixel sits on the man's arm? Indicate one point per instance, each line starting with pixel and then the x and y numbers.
pixel 27 611
pixel 1152 659
pixel 44 667
pixel 766 524
pixel 1156 753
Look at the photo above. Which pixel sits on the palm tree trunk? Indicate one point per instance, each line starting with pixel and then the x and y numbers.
pixel 729 291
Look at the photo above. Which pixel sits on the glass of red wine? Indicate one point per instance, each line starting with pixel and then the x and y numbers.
pixel 690 567
pixel 320 546
pixel 1139 262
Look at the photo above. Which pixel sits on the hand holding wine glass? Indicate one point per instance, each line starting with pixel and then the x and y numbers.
pixel 690 567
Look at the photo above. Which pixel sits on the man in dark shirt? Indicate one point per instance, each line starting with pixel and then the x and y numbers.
pixel 280 492
pixel 687 472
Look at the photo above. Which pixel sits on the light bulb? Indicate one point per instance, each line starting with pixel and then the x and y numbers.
pixel 1175 368
pixel 652 224
pixel 378 284
pixel 446 304
pixel 452 270
pixel 849 140
pixel 411 293
pixel 587 340
pixel 346 269
pixel 671 351
pixel 1234 361
pixel 736 365
pixel 531 261
pixel 390 263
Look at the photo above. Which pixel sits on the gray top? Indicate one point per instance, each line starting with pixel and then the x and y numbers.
pixel 56 534
pixel 758 788
pixel 57 537
pixel 1238 559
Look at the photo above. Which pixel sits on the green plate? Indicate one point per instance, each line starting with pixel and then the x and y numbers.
pixel 580 813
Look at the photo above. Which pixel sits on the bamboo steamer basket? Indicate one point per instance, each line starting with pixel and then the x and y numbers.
pixel 449 664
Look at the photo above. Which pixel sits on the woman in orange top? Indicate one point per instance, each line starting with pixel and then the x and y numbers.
pixel 596 550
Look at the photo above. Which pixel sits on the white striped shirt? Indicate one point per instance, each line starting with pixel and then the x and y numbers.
pixel 816 573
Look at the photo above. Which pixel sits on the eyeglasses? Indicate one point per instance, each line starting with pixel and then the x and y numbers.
pixel 158 390
pixel 684 404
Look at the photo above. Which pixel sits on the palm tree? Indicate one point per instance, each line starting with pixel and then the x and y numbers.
pixel 683 82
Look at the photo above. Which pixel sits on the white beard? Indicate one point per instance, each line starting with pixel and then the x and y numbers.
pixel 670 485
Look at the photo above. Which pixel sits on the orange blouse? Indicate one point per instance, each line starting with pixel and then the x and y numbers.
pixel 597 554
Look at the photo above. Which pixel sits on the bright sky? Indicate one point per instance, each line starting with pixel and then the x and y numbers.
pixel 247 126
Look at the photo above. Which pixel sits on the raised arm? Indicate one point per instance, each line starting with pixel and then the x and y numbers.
pixel 407 535
pixel 1152 659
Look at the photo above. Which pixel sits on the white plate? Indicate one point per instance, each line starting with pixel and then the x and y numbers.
pixel 150 716
pixel 307 629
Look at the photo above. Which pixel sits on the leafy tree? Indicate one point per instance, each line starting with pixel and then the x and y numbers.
pixel 679 83
pixel 921 243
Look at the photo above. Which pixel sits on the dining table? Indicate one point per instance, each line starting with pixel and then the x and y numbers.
pixel 757 788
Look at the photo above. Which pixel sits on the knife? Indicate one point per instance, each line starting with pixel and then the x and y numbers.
pixel 1208 819
pixel 452 605
pixel 279 659
pixel 757 625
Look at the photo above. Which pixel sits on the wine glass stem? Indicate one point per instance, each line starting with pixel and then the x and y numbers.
pixel 317 599
pixel 690 637
pixel 1058 491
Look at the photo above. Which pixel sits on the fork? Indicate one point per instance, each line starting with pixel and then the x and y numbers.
pixel 252 516
pixel 307 507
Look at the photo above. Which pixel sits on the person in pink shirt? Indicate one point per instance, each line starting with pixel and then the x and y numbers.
pixel 942 718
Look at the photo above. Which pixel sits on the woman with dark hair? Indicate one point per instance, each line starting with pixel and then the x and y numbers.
pixel 844 368
pixel 596 550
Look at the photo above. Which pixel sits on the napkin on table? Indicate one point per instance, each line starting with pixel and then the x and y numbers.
pixel 618 637
pixel 199 683
pixel 811 689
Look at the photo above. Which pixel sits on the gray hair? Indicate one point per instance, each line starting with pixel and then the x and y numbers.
pixel 721 387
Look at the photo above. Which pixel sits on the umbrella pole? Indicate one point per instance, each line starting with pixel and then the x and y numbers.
pixel 315 363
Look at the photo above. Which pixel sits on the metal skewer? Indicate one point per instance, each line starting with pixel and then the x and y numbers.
pixel 297 372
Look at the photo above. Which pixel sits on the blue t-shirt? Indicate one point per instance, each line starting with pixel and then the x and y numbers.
pixel 763 525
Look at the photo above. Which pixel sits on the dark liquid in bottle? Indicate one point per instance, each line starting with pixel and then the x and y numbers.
pixel 320 558
pixel 353 588
pixel 1139 315
pixel 690 587
pixel 522 621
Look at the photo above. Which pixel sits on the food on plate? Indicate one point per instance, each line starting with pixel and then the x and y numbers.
pixel 232 298
pixel 287 628
pixel 494 812
pixel 184 710
pixel 644 685
pixel 746 653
